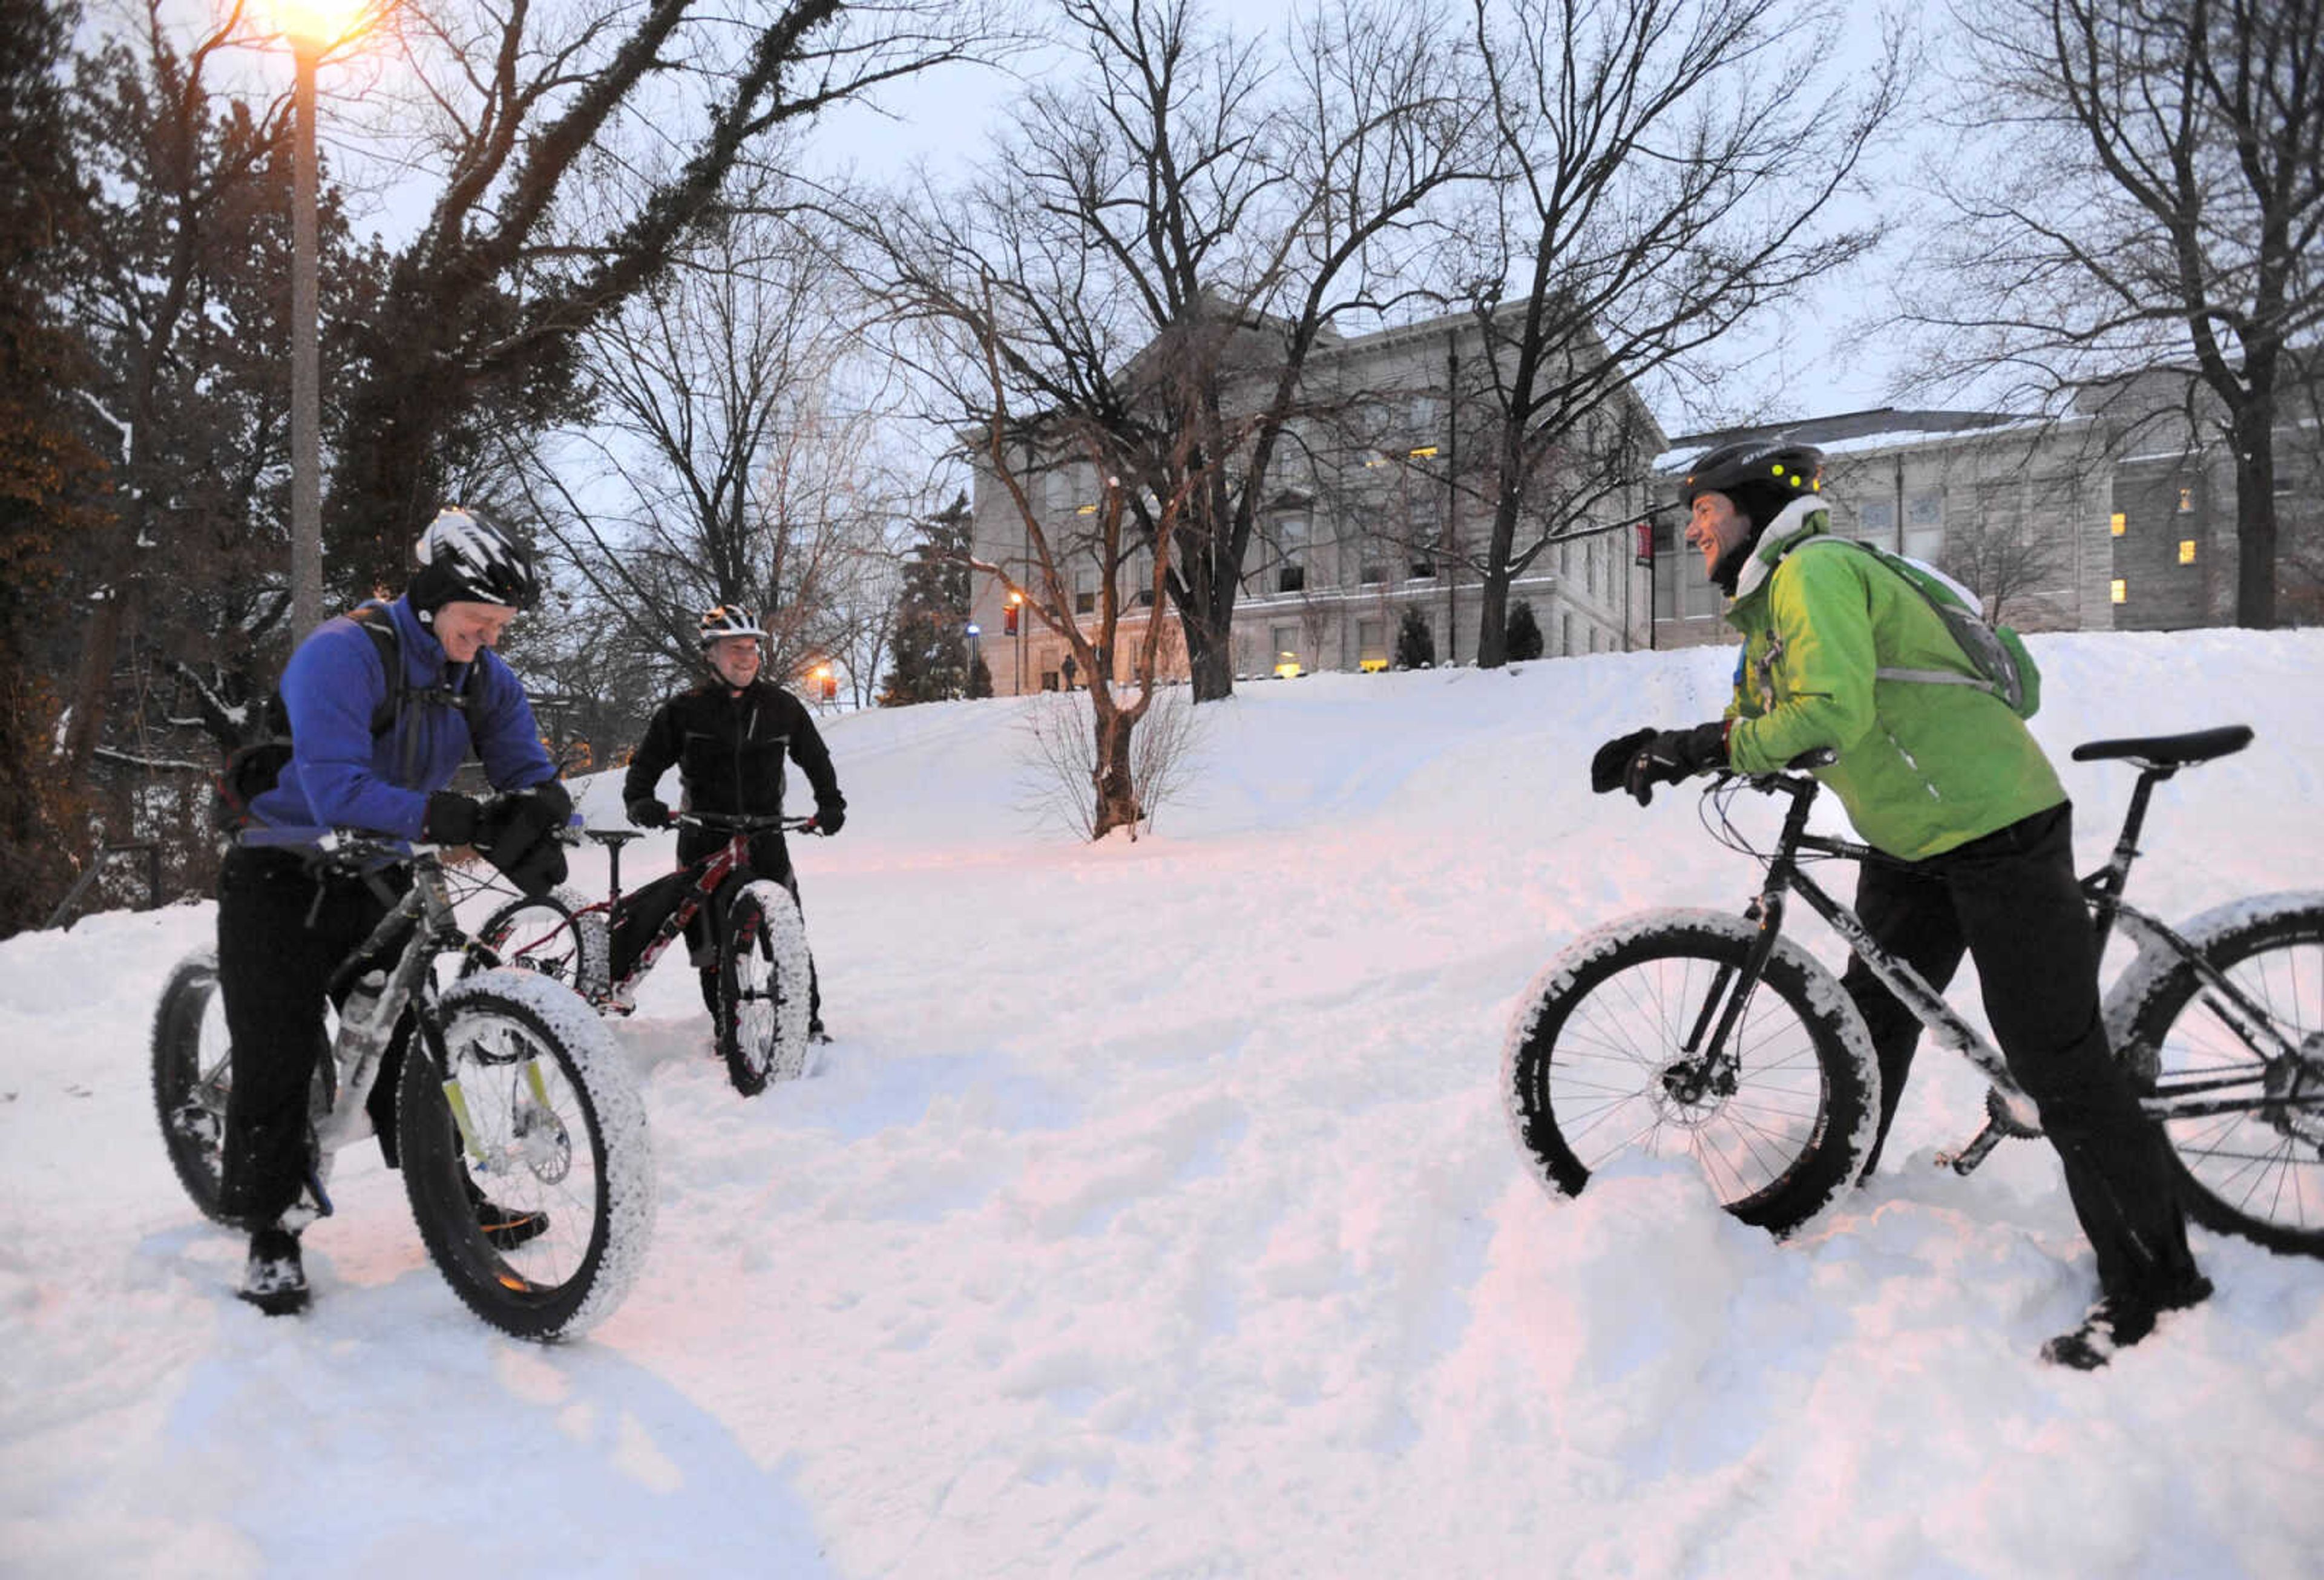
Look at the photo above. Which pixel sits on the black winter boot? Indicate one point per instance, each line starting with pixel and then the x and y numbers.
pixel 275 1279
pixel 2118 1322
pixel 505 1227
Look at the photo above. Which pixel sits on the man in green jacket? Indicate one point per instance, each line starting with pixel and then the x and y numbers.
pixel 1947 780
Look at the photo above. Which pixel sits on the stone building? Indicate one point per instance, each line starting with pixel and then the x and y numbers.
pixel 2117 517
pixel 1374 508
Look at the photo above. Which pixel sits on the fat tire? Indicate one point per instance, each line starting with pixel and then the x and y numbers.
pixel 550 934
pixel 2237 1174
pixel 570 1279
pixel 762 989
pixel 1582 1069
pixel 191 1077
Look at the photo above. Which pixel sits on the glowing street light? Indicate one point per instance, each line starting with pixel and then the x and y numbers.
pixel 314 27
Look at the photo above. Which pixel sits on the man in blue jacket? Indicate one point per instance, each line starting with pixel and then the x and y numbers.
pixel 285 925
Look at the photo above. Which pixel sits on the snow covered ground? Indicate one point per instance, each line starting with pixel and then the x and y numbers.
pixel 1155 1215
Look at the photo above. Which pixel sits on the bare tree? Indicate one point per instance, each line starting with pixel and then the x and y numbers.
pixel 1665 172
pixel 1169 234
pixel 2001 557
pixel 522 252
pixel 2142 188
pixel 739 452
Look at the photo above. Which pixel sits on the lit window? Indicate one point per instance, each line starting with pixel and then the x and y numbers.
pixel 2186 501
pixel 2186 551
pixel 2119 589
pixel 2117 523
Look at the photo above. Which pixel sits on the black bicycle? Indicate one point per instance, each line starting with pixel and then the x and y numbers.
pixel 511 1086
pixel 763 967
pixel 1709 1035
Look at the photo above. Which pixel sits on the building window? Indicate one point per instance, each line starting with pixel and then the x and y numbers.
pixel 1565 634
pixel 1371 573
pixel 1286 638
pixel 2186 551
pixel 1371 645
pixel 1424 565
pixel 2118 524
pixel 1877 522
pixel 2119 590
pixel 1291 537
pixel 2186 501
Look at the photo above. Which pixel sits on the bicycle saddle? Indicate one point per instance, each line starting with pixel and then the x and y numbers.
pixel 2170 751
pixel 615 838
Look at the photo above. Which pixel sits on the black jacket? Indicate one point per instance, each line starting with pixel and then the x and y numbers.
pixel 729 747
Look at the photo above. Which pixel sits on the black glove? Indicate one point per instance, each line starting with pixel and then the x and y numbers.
pixel 451 819
pixel 830 816
pixel 1673 755
pixel 650 814
pixel 555 799
pixel 517 834
pixel 1613 761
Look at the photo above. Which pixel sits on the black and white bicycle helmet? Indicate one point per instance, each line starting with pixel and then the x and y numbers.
pixel 464 557
pixel 1757 475
pixel 729 620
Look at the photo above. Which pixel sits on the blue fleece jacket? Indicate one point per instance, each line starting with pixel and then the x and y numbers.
pixel 338 776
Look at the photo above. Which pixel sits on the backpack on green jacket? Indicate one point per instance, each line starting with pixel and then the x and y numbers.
pixel 1995 652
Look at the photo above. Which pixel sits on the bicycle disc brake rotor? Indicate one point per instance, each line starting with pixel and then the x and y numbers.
pixel 1688 1094
pixel 541 1141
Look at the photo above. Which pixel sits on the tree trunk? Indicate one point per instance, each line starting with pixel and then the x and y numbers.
pixel 1493 585
pixel 1117 793
pixel 2254 440
pixel 1210 663
pixel 1206 616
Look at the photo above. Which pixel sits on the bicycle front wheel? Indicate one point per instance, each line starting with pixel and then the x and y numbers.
pixel 193 1071
pixel 530 1112
pixel 1602 1061
pixel 2242 1098
pixel 762 989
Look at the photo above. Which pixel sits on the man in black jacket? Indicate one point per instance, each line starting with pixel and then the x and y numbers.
pixel 729 738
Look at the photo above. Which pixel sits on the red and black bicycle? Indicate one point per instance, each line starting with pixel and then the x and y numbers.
pixel 763 971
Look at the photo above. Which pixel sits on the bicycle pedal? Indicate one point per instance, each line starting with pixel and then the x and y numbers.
pixel 1970 1157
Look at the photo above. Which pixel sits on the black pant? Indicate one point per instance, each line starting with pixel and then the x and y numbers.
pixel 2011 899
pixel 283 930
pixel 770 858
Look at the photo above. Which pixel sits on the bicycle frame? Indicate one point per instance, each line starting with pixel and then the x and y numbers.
pixel 711 874
pixel 424 921
pixel 2010 1113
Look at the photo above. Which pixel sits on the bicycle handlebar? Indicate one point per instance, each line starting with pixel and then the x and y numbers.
pixel 743 824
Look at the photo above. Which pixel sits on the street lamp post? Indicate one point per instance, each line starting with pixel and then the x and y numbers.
pixel 1017 624
pixel 306 375
pixel 968 681
pixel 314 27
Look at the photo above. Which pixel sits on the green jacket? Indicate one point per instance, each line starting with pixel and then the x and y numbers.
pixel 1922 768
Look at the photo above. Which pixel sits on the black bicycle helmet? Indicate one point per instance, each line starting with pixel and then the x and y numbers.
pixel 728 620
pixel 1761 476
pixel 464 557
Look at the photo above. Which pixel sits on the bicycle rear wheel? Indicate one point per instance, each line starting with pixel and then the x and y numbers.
pixel 532 1107
pixel 193 1071
pixel 762 989
pixel 1598 1063
pixel 2257 1169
